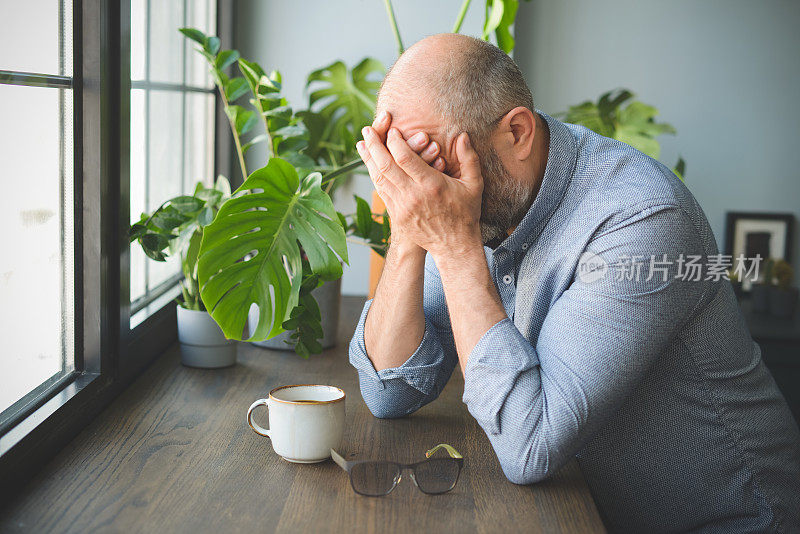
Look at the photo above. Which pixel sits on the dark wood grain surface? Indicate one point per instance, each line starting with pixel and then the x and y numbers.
pixel 174 454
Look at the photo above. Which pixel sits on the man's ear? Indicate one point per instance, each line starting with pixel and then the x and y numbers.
pixel 519 125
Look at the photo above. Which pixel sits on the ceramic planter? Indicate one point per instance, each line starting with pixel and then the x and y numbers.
pixel 202 342
pixel 329 297
pixel 782 302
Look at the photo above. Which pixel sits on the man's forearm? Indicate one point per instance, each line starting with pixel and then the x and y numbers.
pixel 472 298
pixel 395 323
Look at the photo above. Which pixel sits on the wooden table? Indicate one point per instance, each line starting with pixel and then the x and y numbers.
pixel 173 454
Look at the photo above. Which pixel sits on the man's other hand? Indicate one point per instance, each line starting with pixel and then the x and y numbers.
pixel 437 212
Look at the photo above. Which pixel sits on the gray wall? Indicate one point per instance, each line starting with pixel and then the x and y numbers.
pixel 298 36
pixel 725 73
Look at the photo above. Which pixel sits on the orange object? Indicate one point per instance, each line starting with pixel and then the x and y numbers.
pixel 375 260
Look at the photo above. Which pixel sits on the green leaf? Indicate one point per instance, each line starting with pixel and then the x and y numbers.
pixel 250 254
pixel 494 16
pixel 195 35
pixel 211 45
pixel 167 219
pixel 505 40
pixel 363 217
pixel 281 111
pixel 291 131
pixel 345 99
pixel 186 204
pixel 680 168
pixel 226 58
pixel 300 162
pixel 192 252
pixel 154 244
pixel 342 219
pixel 235 88
pixel 644 143
pixel 292 145
pixel 210 196
pixel 243 119
pixel 205 216
pixel 223 186
pixel 136 231
pixel 252 72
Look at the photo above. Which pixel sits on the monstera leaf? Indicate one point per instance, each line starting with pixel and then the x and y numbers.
pixel 345 98
pixel 251 252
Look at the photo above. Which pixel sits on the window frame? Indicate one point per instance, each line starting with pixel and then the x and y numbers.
pixel 108 354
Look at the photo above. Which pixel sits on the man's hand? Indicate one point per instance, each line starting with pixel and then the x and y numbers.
pixel 420 142
pixel 437 212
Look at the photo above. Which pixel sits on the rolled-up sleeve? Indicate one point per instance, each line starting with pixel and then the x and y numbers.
pixel 399 391
pixel 539 402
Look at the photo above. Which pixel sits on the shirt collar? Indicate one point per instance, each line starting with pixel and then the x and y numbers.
pixel 561 157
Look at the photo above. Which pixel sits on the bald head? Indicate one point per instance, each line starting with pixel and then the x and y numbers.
pixel 466 83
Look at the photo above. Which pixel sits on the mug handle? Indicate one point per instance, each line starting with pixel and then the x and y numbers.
pixel 258 429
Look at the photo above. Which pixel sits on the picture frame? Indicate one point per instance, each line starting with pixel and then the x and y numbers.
pixel 769 235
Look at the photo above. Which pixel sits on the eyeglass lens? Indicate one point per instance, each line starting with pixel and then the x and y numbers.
pixel 437 475
pixel 374 478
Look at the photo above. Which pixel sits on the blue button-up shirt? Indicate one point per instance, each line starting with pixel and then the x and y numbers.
pixel 615 351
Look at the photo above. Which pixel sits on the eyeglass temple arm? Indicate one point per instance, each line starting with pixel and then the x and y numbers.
pixel 341 462
pixel 453 453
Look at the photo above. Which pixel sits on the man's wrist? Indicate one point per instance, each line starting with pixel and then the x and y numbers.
pixel 404 249
pixel 455 254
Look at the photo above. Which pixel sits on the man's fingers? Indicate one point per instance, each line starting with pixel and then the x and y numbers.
pixel 439 164
pixel 430 153
pixel 428 150
pixel 406 159
pixel 418 141
pixel 384 162
pixel 381 124
pixel 468 161
pixel 383 186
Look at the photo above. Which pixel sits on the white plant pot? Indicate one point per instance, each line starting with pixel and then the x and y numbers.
pixel 202 342
pixel 329 298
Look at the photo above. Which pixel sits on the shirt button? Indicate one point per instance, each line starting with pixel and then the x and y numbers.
pixel 524 246
pixel 507 279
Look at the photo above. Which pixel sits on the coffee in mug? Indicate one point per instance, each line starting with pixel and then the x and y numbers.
pixel 305 421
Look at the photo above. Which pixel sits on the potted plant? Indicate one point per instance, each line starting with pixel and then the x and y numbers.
pixel 759 291
pixel 782 296
pixel 277 239
pixel 176 228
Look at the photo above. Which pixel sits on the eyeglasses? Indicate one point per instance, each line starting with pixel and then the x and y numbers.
pixel 378 478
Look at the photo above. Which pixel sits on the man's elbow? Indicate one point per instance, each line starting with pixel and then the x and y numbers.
pixel 385 410
pixel 525 469
pixel 524 475
pixel 383 404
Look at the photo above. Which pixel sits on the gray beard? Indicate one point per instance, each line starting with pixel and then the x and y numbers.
pixel 505 200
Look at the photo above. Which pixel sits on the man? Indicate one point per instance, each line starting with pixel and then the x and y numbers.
pixel 551 264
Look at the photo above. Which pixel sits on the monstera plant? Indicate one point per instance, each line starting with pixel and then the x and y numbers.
pixel 616 115
pixel 278 236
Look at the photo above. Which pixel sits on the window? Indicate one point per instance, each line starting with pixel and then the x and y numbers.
pixel 37 210
pixel 172 105
pixel 88 131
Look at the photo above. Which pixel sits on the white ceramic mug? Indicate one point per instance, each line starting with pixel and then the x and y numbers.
pixel 305 421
